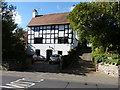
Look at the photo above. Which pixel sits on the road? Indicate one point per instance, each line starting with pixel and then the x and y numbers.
pixel 28 80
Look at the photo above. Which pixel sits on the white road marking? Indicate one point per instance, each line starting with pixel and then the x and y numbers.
pixel 22 83
pixel 42 80
pixel 32 80
pixel 15 86
pixel 6 87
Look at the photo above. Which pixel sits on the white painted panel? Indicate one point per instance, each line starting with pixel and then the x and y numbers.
pixel 32 36
pixel 44 31
pixel 48 31
pixel 36 34
pixel 48 36
pixel 66 31
pixel 32 41
pixel 61 34
pixel 70 35
pixel 28 41
pixel 52 31
pixel 43 40
pixel 40 35
pixel 52 36
pixel 66 35
pixel 43 36
pixel 41 31
pixel 32 32
pixel 28 32
pixel 70 30
pixel 56 31
pixel 52 40
pixel 28 36
pixel 56 41
pixel 56 35
pixel 69 40
pixel 48 41
pixel 61 27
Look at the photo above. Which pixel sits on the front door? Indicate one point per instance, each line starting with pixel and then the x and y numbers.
pixel 49 53
pixel 60 52
pixel 37 52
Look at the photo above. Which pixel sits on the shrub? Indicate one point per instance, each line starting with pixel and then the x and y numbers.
pixel 110 58
pixel 67 59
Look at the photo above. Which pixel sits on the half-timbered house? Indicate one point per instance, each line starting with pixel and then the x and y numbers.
pixel 50 34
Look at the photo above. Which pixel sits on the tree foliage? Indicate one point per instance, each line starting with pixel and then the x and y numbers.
pixel 98 22
pixel 12 46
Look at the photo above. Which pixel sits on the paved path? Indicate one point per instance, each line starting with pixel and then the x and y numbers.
pixel 82 64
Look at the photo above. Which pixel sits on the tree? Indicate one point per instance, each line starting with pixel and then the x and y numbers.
pixel 98 22
pixel 8 26
pixel 12 45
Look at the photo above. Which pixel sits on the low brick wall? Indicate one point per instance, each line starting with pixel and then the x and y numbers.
pixel 110 69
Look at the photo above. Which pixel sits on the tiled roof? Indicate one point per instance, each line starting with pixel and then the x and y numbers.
pixel 50 19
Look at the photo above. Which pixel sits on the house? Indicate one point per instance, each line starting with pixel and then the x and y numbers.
pixel 50 34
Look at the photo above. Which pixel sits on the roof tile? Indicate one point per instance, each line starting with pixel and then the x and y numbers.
pixel 50 19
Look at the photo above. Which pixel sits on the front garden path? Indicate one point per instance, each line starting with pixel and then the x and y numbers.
pixel 82 64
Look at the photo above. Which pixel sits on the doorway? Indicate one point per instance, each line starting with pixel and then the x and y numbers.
pixel 49 53
pixel 60 52
pixel 37 52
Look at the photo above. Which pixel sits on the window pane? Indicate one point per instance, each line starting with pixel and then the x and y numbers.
pixel 61 27
pixel 38 40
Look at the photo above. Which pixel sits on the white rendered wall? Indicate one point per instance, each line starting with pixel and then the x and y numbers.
pixel 44 47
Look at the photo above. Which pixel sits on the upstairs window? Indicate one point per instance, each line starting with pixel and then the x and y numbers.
pixel 38 40
pixel 62 40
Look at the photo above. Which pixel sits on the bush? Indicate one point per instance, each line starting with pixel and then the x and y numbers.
pixel 110 58
pixel 67 59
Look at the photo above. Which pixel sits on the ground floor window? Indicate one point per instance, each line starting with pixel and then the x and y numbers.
pixel 37 51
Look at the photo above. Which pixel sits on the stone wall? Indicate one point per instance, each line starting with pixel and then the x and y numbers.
pixel 110 69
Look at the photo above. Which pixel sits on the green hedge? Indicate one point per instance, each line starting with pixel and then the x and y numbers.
pixel 67 59
pixel 110 58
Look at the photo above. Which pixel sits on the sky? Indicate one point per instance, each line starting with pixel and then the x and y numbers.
pixel 24 10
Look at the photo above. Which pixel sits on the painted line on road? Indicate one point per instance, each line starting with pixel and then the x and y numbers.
pixel 22 83
pixel 15 86
pixel 5 87
pixel 32 80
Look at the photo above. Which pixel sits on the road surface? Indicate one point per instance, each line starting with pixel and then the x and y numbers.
pixel 28 80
